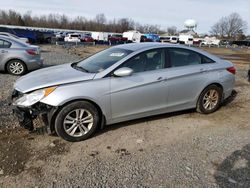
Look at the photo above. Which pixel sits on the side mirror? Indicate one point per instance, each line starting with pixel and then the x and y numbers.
pixel 124 71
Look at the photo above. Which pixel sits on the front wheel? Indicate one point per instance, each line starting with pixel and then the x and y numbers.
pixel 77 121
pixel 210 99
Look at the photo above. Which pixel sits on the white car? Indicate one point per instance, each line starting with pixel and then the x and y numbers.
pixel 133 36
pixel 72 37
pixel 186 39
pixel 100 36
pixel 6 34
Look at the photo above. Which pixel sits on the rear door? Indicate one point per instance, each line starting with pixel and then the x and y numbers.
pixel 4 51
pixel 144 92
pixel 186 77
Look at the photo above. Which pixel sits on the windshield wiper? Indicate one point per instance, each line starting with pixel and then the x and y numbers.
pixel 75 66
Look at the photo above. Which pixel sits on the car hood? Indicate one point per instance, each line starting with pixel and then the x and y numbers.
pixel 51 76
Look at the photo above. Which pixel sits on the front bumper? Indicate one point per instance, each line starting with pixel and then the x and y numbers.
pixel 34 118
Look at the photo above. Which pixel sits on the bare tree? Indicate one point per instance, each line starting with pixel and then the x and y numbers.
pixel 172 30
pixel 230 26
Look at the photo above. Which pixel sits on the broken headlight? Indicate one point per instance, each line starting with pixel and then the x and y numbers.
pixel 29 99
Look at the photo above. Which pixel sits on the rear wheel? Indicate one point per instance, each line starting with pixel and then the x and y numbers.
pixel 77 121
pixel 16 67
pixel 210 99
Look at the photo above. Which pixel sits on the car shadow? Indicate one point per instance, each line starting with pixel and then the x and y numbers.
pixel 234 171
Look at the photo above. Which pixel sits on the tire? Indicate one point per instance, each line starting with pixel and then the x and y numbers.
pixel 16 67
pixel 210 100
pixel 74 129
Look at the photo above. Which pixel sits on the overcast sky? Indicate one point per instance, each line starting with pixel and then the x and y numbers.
pixel 161 12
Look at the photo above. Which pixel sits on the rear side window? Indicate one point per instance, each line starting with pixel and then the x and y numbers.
pixel 4 44
pixel 183 57
pixel 205 60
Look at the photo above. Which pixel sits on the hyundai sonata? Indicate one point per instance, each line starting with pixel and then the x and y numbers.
pixel 122 83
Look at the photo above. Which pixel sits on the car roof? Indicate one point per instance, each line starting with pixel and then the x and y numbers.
pixel 13 40
pixel 152 45
pixel 140 46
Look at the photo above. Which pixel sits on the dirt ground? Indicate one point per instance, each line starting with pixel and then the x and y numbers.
pixel 183 149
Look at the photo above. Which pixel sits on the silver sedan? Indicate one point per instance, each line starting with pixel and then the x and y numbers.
pixel 17 57
pixel 122 83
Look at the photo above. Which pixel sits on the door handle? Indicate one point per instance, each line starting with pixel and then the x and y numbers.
pixel 4 51
pixel 203 70
pixel 160 78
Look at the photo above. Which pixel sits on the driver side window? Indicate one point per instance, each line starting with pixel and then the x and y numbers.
pixel 147 61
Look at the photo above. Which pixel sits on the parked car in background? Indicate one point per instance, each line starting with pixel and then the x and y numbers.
pixel 30 35
pixel 210 41
pixel 72 37
pixel 17 57
pixel 60 36
pixel 86 38
pixel 100 37
pixel 117 39
pixel 152 37
pixel 224 43
pixel 145 39
pixel 241 43
pixel 186 39
pixel 25 40
pixel 122 83
pixel 47 36
pixel 174 39
pixel 132 36
pixel 164 39
pixel 197 41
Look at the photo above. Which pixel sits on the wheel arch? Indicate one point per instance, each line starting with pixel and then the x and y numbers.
pixel 210 84
pixel 213 83
pixel 55 112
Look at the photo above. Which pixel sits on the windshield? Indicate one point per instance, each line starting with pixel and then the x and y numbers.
pixel 103 60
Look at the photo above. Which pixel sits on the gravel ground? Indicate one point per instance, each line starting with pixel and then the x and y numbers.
pixel 183 149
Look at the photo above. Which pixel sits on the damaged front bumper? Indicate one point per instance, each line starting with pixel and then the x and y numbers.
pixel 36 118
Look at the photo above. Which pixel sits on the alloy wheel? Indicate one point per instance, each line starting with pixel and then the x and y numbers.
pixel 16 68
pixel 78 122
pixel 210 99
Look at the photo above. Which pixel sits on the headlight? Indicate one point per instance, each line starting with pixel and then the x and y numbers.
pixel 34 97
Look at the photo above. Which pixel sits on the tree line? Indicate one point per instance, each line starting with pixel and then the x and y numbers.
pixel 61 21
pixel 228 27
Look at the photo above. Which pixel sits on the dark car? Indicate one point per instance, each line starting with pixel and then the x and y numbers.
pixel 241 43
pixel 117 39
pixel 145 39
pixel 47 36
pixel 29 34
pixel 86 38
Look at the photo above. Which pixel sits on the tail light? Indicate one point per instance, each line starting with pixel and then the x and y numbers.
pixel 231 70
pixel 32 52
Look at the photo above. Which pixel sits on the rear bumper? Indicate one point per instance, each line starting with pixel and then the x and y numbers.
pixel 35 64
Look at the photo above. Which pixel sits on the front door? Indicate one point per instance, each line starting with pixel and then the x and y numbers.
pixel 145 91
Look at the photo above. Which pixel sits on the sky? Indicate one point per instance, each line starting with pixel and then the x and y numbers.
pixel 160 12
